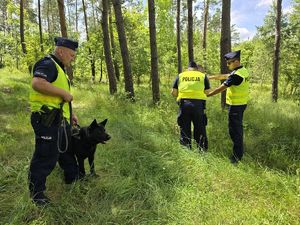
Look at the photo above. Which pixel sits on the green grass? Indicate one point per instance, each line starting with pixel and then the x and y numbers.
pixel 145 177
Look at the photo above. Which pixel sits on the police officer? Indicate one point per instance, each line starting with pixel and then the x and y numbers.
pixel 237 85
pixel 190 87
pixel 50 102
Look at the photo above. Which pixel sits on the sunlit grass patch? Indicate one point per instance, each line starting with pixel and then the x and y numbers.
pixel 144 175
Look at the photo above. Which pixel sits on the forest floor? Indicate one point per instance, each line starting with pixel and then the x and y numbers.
pixel 145 176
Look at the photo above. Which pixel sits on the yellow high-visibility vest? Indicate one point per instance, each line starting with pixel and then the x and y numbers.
pixel 37 99
pixel 191 85
pixel 239 94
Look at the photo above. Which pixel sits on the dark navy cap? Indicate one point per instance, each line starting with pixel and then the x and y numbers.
pixel 65 42
pixel 192 64
pixel 233 55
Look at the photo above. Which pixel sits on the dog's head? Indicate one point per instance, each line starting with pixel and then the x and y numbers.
pixel 97 133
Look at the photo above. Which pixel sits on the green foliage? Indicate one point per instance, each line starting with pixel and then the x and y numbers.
pixel 213 55
pixel 166 38
pixel 138 42
pixel 291 54
pixel 289 51
pixel 255 51
pixel 7 49
pixel 145 177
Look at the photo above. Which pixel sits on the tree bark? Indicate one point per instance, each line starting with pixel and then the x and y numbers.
pixel 178 32
pixel 40 26
pixel 92 61
pixel 153 47
pixel 113 47
pixel 76 16
pixel 3 19
pixel 62 18
pixel 204 45
pixel 190 31
pixel 276 52
pixel 48 17
pixel 22 36
pixel 63 29
pixel 106 44
pixel 124 49
pixel 93 12
pixel 225 43
pixel 101 69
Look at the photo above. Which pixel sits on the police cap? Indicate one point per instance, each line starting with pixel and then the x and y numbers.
pixel 65 42
pixel 192 64
pixel 233 55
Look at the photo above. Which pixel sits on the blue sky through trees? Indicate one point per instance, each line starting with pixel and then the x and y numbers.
pixel 247 15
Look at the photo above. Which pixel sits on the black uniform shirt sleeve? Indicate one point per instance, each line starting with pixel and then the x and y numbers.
pixel 233 79
pixel 45 68
pixel 175 84
pixel 206 83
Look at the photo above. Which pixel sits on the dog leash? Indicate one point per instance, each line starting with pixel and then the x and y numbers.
pixel 62 130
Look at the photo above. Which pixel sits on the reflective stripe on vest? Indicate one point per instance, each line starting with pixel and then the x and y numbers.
pixel 191 85
pixel 239 94
pixel 37 99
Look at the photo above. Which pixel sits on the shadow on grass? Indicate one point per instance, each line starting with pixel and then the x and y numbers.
pixel 14 98
pixel 271 135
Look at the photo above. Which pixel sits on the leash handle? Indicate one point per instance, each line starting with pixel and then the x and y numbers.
pixel 71 112
pixel 62 132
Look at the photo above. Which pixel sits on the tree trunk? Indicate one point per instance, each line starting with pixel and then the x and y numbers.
pixel 93 11
pixel 113 47
pixel 62 19
pixel 204 45
pixel 76 16
pixel 22 37
pixel 88 38
pixel 276 52
pixel 101 69
pixel 69 15
pixel 153 47
pixel 63 28
pixel 124 49
pixel 178 31
pixel 108 60
pixel 53 19
pixel 48 17
pixel 40 26
pixel 3 18
pixel 190 30
pixel 225 43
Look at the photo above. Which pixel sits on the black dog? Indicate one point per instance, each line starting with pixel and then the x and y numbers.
pixel 84 142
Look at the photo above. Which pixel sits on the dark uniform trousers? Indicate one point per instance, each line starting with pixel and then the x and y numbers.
pixel 46 155
pixel 235 125
pixel 192 111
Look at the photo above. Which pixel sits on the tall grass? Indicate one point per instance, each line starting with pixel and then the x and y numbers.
pixel 145 177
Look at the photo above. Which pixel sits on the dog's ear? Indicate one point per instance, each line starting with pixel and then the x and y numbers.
pixel 103 123
pixel 94 124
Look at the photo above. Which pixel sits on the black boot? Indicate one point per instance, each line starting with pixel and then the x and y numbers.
pixel 40 199
pixel 233 160
pixel 70 180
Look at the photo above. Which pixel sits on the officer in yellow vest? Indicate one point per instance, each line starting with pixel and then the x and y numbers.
pixel 237 95
pixel 50 101
pixel 190 87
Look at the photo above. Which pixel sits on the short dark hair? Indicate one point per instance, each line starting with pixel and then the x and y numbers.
pixel 192 64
